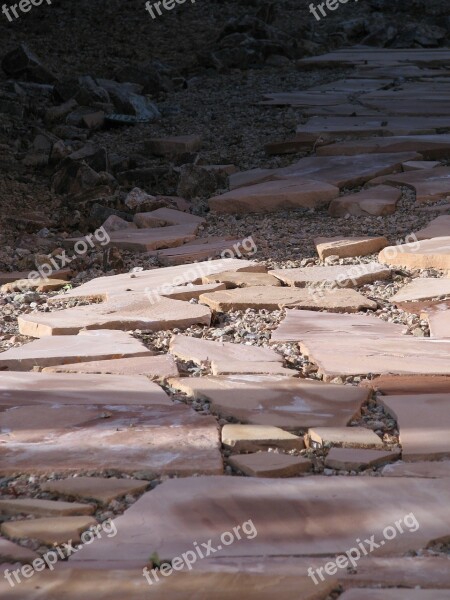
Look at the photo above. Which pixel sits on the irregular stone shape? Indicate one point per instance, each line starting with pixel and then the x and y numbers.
pixel 301 324
pixel 349 247
pixel 424 424
pixel 416 165
pixel 154 367
pixel 201 351
pixel 150 440
pixel 100 489
pixel 162 217
pixel 187 292
pixel 429 184
pixel 56 530
pixel 39 285
pixel 62 349
pixel 230 367
pixel 115 223
pixel 426 469
pixel 271 196
pixel 347 437
pixel 438 319
pixel 143 240
pixel 234 280
pixel 274 298
pixel 44 508
pixel 132 311
pixel 270 464
pixel 430 146
pixel 341 275
pixel 439 227
pixel 284 402
pixel 15 553
pixel 202 249
pixel 391 594
pixel 20 389
pixel 335 170
pixel 251 438
pixel 356 459
pixel 426 254
pixel 422 288
pixel 201 508
pixel 378 201
pixel 393 385
pixel 177 144
pixel 22 276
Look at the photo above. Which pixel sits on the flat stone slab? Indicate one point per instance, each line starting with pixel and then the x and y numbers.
pixel 234 280
pixel 100 489
pixel 426 469
pixel 349 247
pixel 15 553
pixel 87 345
pixel 230 367
pixel 438 319
pixel 44 508
pixel 200 351
pixel 274 298
pixel 270 464
pixel 341 275
pixel 200 250
pixel 51 530
pixel 347 437
pixel 21 389
pixel 154 367
pixel 250 438
pixel 422 288
pixel 377 201
pixel 162 217
pixel 394 385
pixel 22 276
pixel 127 312
pixel 201 508
pixel 391 594
pixel 356 459
pixel 415 165
pixel 283 402
pixel 38 285
pixel 150 440
pixel 271 196
pixel 425 254
pixel 439 227
pixel 429 184
pixel 424 424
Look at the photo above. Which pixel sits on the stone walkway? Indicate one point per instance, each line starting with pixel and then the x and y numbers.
pixel 185 449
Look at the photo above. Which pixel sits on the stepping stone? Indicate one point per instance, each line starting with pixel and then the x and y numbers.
pixel 22 276
pixel 88 345
pixel 15 553
pixel 251 438
pixel 429 184
pixel 270 464
pixel 335 170
pixel 100 489
pixel 424 424
pixel 439 227
pixel 426 469
pixel 235 367
pixel 347 437
pixel 274 298
pixel 202 351
pixel 149 440
pixel 153 238
pixel 38 285
pixel 234 280
pixel 356 459
pixel 154 367
pixel 341 275
pixel 377 201
pixel 438 319
pixel 285 194
pixel 201 249
pixel 283 402
pixel 173 145
pixel 393 385
pixel 422 288
pixel 430 146
pixel 426 254
pixel 21 389
pixel 416 165
pixel 162 217
pixel 44 508
pixel 391 594
pixel 126 312
pixel 180 510
pixel 53 530
pixel 187 292
pixel 349 247
pixel 303 324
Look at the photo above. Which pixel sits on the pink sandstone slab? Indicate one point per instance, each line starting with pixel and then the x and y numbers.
pixel 88 345
pixel 367 56
pixel 162 217
pixel 238 367
pixel 233 280
pixel 201 508
pixel 20 389
pixel 271 196
pixel 100 489
pixel 439 227
pixel 336 275
pixel 425 254
pixel 391 594
pixel 438 319
pixel 346 247
pixel 415 165
pixel 394 385
pixel 49 530
pixel 426 469
pixel 202 250
pixel 251 438
pixel 429 184
pixel 15 553
pixel 284 402
pixel 356 459
pixel 149 440
pixel 430 146
pixel 38 285
pixel 423 288
pixel 270 464
pixel 346 437
pixel 377 201
pixel 154 367
pixel 44 508
pixel 424 424
pixel 14 276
